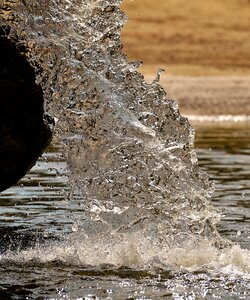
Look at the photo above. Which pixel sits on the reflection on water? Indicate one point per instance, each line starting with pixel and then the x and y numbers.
pixel 38 204
pixel 60 282
pixel 224 153
pixel 38 201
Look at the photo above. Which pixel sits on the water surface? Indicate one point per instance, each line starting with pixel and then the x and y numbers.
pixel 36 209
pixel 224 153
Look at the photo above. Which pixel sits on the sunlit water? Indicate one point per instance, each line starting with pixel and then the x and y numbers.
pixel 36 214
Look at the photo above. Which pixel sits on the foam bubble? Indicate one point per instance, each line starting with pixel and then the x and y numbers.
pixel 137 251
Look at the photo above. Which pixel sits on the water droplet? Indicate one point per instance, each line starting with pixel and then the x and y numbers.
pixel 74 227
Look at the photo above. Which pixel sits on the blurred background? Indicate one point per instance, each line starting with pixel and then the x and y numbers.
pixel 204 47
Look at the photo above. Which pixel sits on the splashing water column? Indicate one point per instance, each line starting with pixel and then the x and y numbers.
pixel 129 152
pixel 131 215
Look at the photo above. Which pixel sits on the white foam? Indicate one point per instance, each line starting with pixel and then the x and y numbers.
pixel 137 251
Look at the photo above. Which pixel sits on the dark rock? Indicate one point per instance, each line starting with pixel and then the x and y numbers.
pixel 24 130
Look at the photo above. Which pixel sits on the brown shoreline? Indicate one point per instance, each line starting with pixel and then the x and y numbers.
pixel 208 96
pixel 190 38
pixel 204 47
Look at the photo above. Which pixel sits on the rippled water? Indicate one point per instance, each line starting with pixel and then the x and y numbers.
pixel 36 211
pixel 225 154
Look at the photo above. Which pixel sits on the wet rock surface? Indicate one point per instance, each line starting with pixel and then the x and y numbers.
pixel 24 129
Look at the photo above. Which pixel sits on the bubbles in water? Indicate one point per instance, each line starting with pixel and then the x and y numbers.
pixel 242 195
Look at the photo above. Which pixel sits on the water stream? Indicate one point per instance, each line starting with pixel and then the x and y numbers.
pixel 119 208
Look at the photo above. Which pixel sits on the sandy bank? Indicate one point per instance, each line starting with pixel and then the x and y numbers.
pixel 191 38
pixel 210 96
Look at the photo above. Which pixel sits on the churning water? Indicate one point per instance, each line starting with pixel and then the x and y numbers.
pixel 119 209
pixel 62 263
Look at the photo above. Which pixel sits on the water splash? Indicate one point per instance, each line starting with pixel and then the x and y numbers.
pixel 133 172
pixel 138 252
